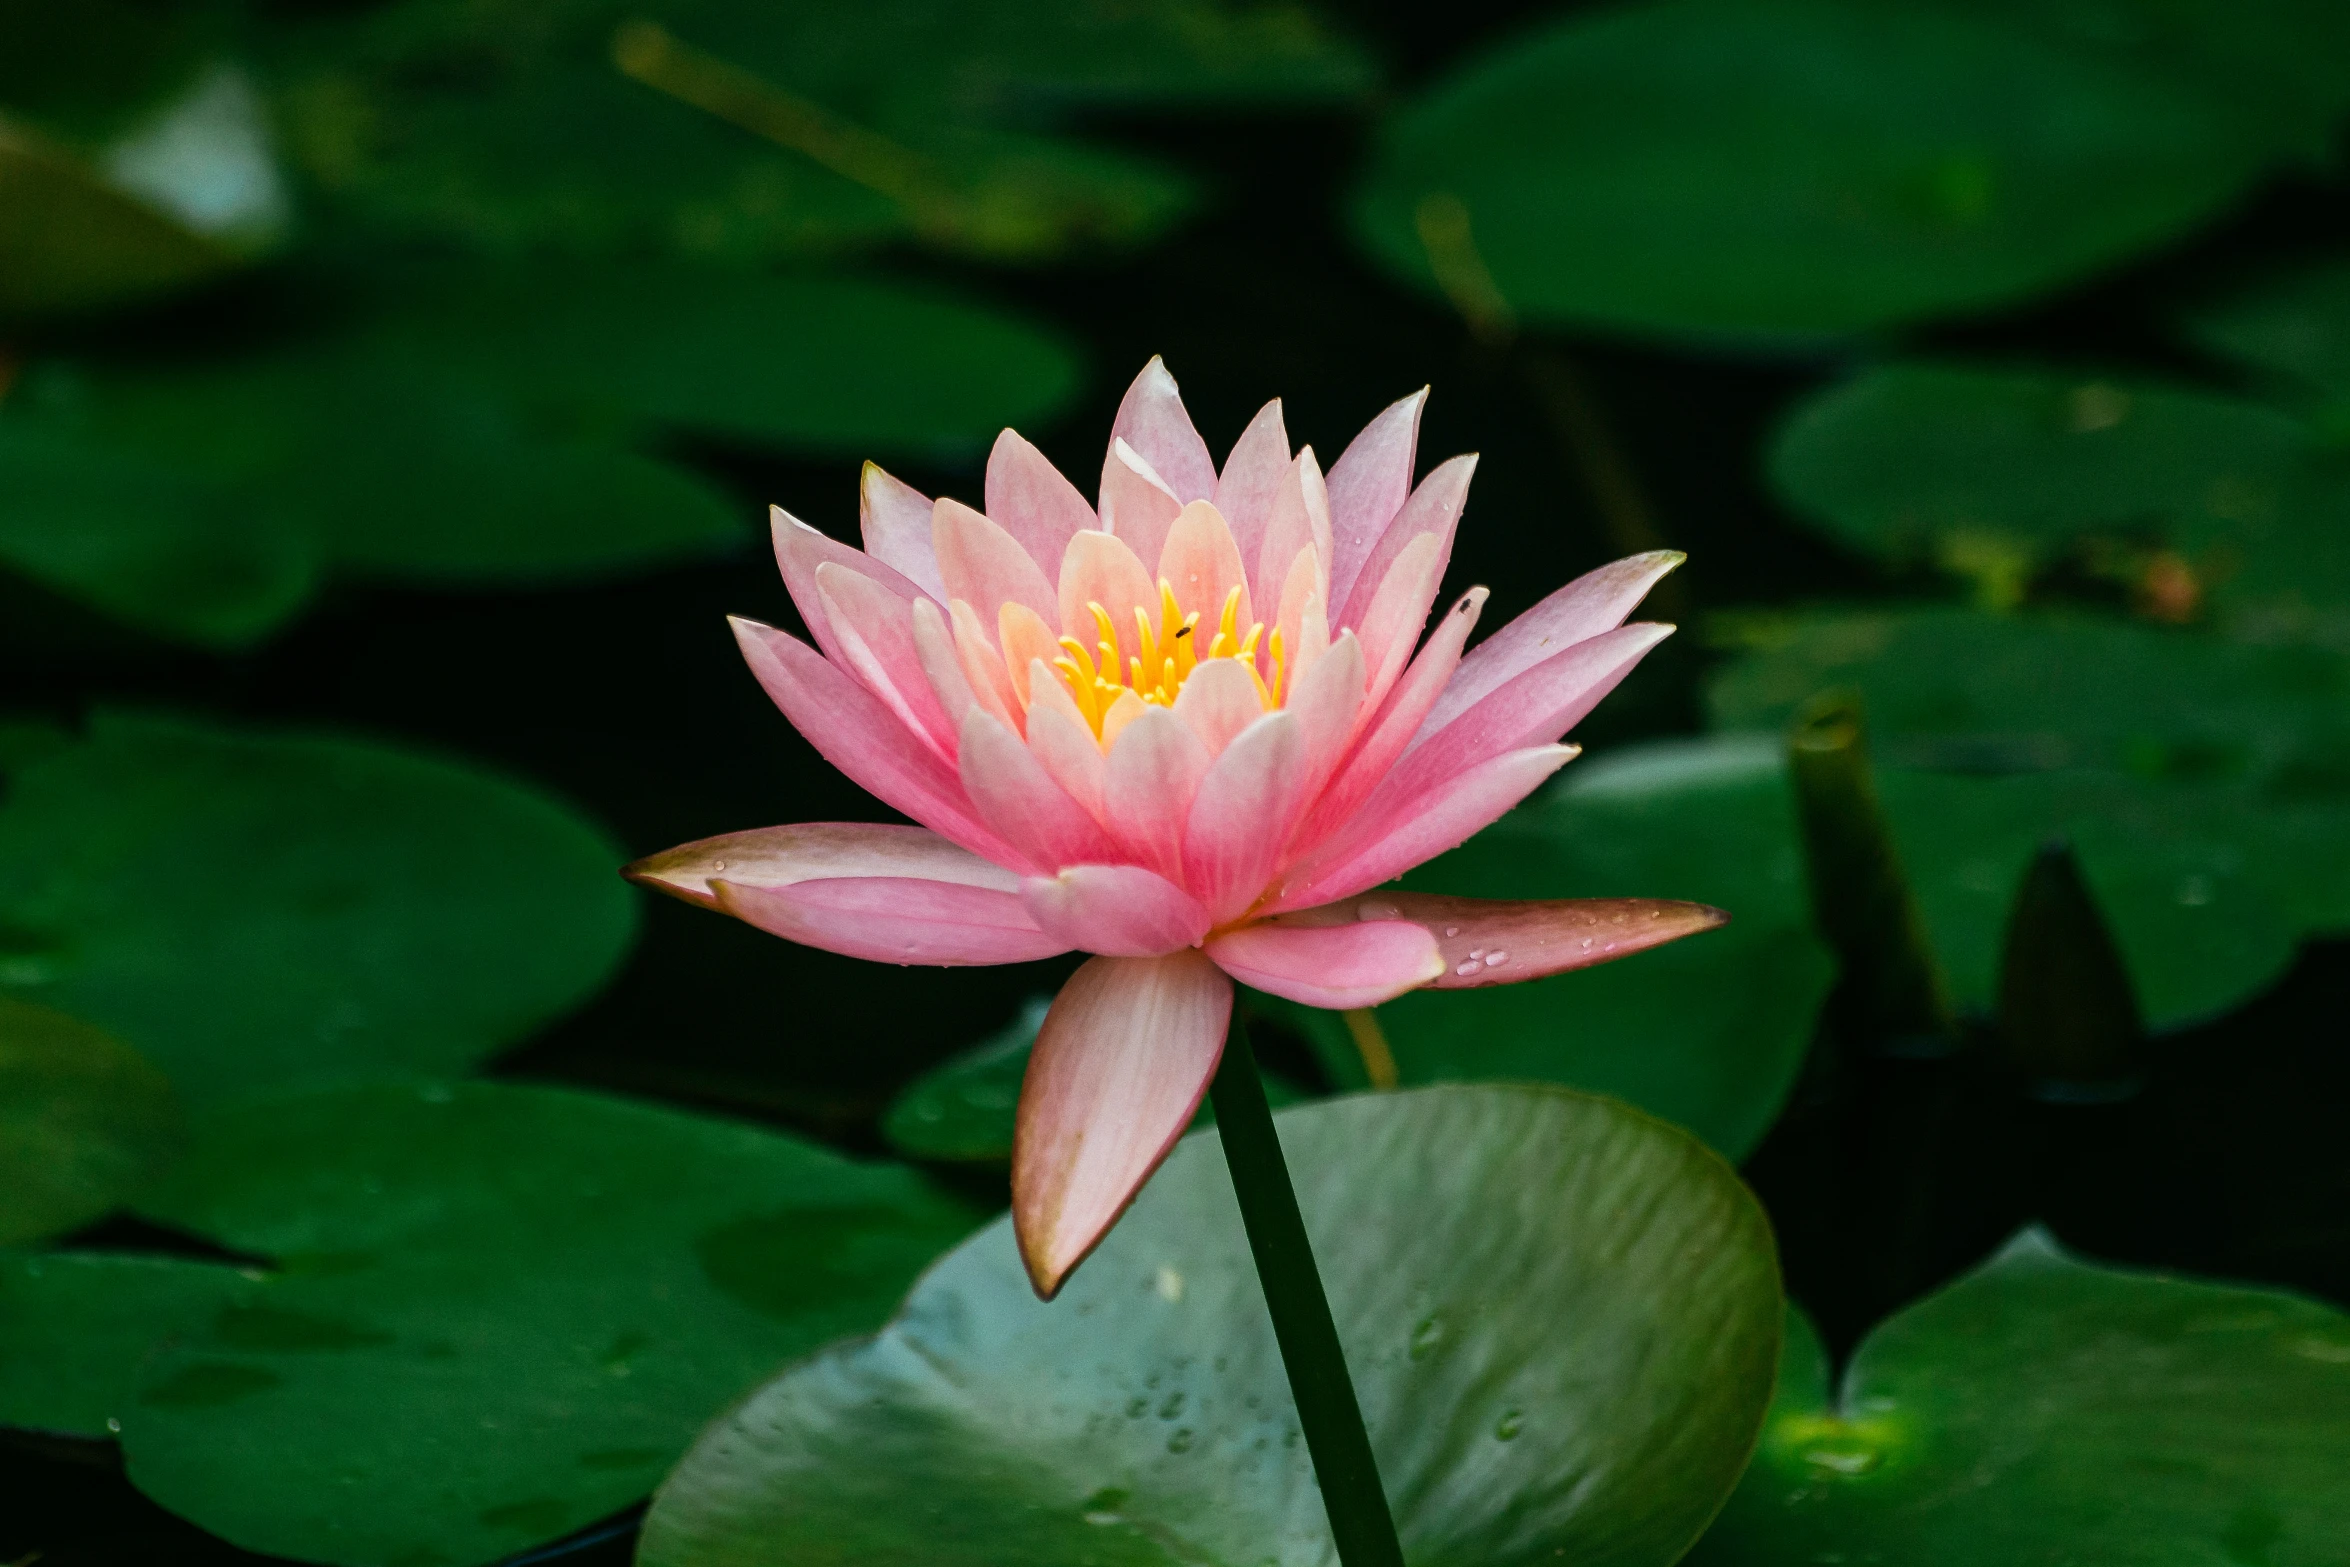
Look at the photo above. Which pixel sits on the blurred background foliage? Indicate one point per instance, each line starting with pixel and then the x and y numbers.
pixel 390 395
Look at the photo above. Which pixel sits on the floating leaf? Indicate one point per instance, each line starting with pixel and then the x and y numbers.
pixel 255 911
pixel 501 1311
pixel 1997 473
pixel 2048 1409
pixel 2295 327
pixel 1559 1314
pixel 76 1328
pixel 1776 170
pixel 1708 1032
pixel 84 1122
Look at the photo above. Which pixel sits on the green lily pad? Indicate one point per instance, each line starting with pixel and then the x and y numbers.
pixel 1560 1316
pixel 84 1122
pixel 2295 327
pixel 1788 170
pixel 2047 1409
pixel 77 1327
pixel 501 1312
pixel 1708 1032
pixel 254 912
pixel 2198 502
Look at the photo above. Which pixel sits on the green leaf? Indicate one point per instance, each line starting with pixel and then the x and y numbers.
pixel 1786 170
pixel 501 1311
pixel 76 1328
pixel 71 242
pixel 258 911
pixel 2295 327
pixel 84 1122
pixel 1560 1316
pixel 1708 1032
pixel 2048 1409
pixel 1999 473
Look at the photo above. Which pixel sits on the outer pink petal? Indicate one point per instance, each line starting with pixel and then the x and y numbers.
pixel 1499 942
pixel 814 851
pixel 1244 490
pixel 800 549
pixel 1335 966
pixel 1156 766
pixel 1118 1071
pixel 1371 851
pixel 1151 419
pixel 875 629
pixel 1119 911
pixel 1030 499
pixel 1242 815
pixel 1218 701
pixel 942 666
pixel 895 519
pixel 1328 702
pixel 1397 720
pixel 1368 484
pixel 1595 602
pixel 853 731
pixel 1299 520
pixel 1434 507
pixel 1019 801
pixel 1391 627
pixel 1137 504
pixel 986 567
pixel 894 919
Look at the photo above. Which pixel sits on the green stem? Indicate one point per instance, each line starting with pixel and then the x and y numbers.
pixel 1360 1524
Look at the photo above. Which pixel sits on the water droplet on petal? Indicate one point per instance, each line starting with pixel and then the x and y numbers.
pixel 717 865
pixel 1476 952
pixel 1452 930
pixel 1372 909
pixel 1496 959
pixel 1469 966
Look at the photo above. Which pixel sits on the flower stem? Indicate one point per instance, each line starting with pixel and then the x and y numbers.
pixel 1360 1524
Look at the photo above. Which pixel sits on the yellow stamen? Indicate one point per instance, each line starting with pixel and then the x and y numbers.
pixel 1165 655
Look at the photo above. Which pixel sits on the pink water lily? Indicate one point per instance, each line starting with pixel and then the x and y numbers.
pixel 1190 731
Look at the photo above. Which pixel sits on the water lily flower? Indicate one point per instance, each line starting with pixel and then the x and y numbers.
pixel 1191 730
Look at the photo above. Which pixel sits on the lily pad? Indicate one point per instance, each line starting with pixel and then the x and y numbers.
pixel 1782 171
pixel 1996 474
pixel 76 1328
pixel 501 1311
pixel 84 1122
pixel 1708 1032
pixel 253 912
pixel 2048 1409
pixel 1560 1316
pixel 2294 327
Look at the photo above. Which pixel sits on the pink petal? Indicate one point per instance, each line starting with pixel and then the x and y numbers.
pixel 1367 488
pixel 895 519
pixel 853 731
pixel 800 549
pixel 1397 721
pixel 943 666
pixel 1535 708
pixel 1152 421
pixel 894 919
pixel 1334 966
pixel 1242 815
pixel 1489 941
pixel 1137 505
pixel 1118 1071
pixel 984 566
pixel 1027 642
pixel 1299 520
pixel 875 629
pixel 1595 602
pixel 1218 701
pixel 1375 849
pixel 1156 765
pixel 1100 569
pixel 1060 739
pixel 1119 911
pixel 1201 563
pixel 1019 801
pixel 983 667
pixel 1029 499
pixel 1328 701
pixel 1390 629
pixel 1244 490
pixel 1303 622
pixel 1434 507
pixel 814 851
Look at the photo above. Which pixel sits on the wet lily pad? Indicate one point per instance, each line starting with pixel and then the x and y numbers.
pixel 1787 170
pixel 1560 1315
pixel 77 1328
pixel 84 1122
pixel 255 911
pixel 2045 1408
pixel 500 1312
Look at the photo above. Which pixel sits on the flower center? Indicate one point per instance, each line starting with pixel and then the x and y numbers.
pixel 1159 658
